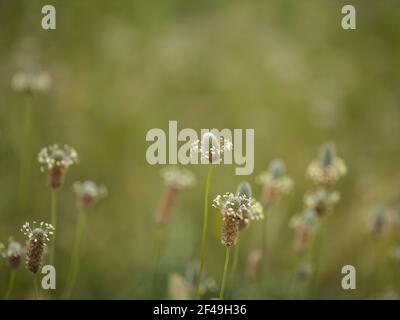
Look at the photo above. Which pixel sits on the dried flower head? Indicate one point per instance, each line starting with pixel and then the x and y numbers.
pixel 211 148
pixel 322 201
pixel 304 225
pixel 30 81
pixel 38 236
pixel 328 168
pixel 274 181
pixel 13 253
pixel 178 177
pixel 56 161
pixel 88 193
pixel 175 179
pixel 253 264
pixel 235 208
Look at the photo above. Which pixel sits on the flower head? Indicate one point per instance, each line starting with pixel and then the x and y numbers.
pixel 13 253
pixel 322 201
pixel 56 161
pixel 211 148
pixel 88 192
pixel 328 168
pixel 253 264
pixel 38 236
pixel 235 208
pixel 304 225
pixel 274 181
pixel 178 177
pixel 382 219
pixel 30 81
pixel 304 271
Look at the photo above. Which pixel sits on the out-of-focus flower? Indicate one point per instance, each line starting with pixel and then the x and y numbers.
pixel 176 179
pixel 328 168
pixel 88 193
pixel 304 226
pixel 396 255
pixel 274 181
pixel 207 284
pixel 304 271
pixel 211 148
pixel 38 236
pixel 322 201
pixel 253 264
pixel 31 81
pixel 13 253
pixel 235 208
pixel 382 219
pixel 56 161
pixel 178 288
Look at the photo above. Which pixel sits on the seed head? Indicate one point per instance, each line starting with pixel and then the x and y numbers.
pixel 322 201
pixel 13 253
pixel 234 209
pixel 211 148
pixel 56 161
pixel 38 236
pixel 31 81
pixel 328 168
pixel 275 182
pixel 88 193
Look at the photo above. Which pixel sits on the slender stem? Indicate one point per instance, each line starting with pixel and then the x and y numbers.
pixel 223 281
pixel 264 248
pixel 35 284
pixel 54 223
pixel 234 264
pixel 160 241
pixel 25 161
pixel 314 251
pixel 10 285
pixel 74 267
pixel 204 232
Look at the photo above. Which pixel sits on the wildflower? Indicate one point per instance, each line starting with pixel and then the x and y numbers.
pixel 13 253
pixel 56 161
pixel 210 148
pixel 175 179
pixel 305 226
pixel 88 193
pixel 38 236
pixel 381 220
pixel 304 271
pixel 253 264
pixel 235 208
pixel 274 181
pixel 30 81
pixel 328 168
pixel 321 201
pixel 178 287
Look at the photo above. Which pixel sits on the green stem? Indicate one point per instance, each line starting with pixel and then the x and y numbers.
pixel 314 263
pixel 204 232
pixel 223 281
pixel 54 223
pixel 10 285
pixel 264 250
pixel 235 263
pixel 159 245
pixel 74 267
pixel 35 284
pixel 26 148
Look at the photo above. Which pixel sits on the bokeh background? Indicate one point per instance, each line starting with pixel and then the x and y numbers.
pixel 285 68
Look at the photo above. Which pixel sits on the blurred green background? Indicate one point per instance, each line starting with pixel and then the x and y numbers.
pixel 285 68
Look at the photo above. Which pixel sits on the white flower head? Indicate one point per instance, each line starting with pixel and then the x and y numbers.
pixel 38 232
pixel 178 177
pixel 31 81
pixel 211 148
pixel 54 156
pixel 88 192
pixel 239 206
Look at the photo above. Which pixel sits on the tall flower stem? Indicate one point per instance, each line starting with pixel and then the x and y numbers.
pixel 314 261
pixel 74 267
pixel 53 206
pixel 264 249
pixel 204 232
pixel 224 275
pixel 235 260
pixel 25 161
pixel 36 286
pixel 160 240
pixel 10 284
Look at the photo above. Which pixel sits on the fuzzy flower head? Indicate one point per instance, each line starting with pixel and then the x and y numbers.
pixel 382 220
pixel 13 253
pixel 274 181
pixel 177 177
pixel 244 191
pixel 321 201
pixel 38 236
pixel 305 225
pixel 234 209
pixel 30 81
pixel 88 193
pixel 56 161
pixel 211 148
pixel 328 168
